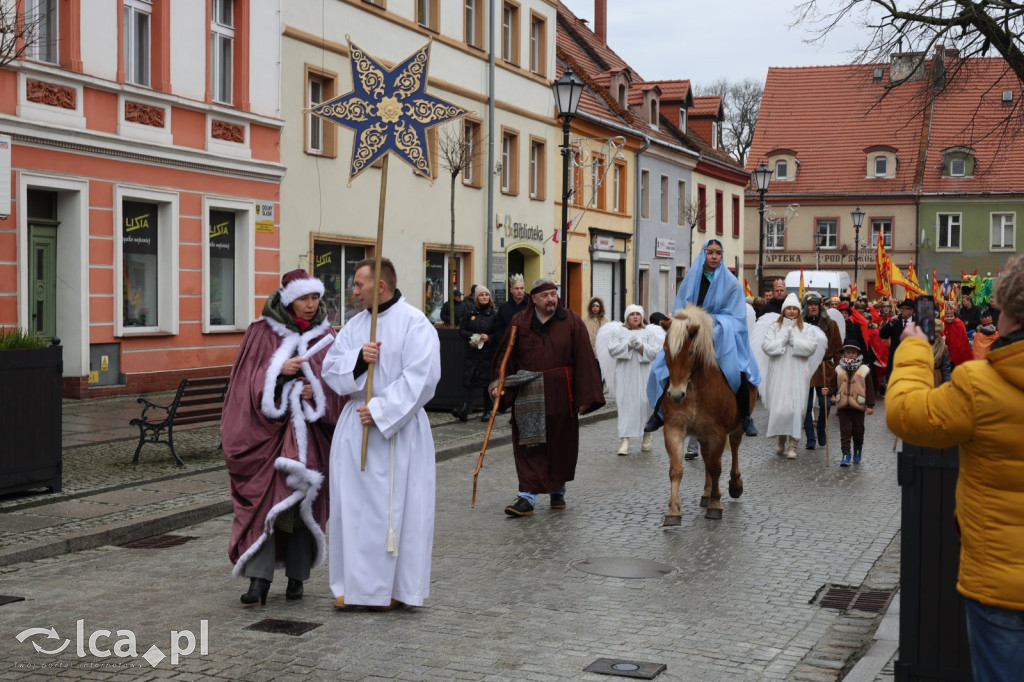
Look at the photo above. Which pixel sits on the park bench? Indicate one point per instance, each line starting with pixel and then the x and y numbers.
pixel 197 401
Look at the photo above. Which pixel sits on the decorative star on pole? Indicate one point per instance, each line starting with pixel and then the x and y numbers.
pixel 389 110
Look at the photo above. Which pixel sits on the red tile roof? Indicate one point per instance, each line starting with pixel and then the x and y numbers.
pixel 708 105
pixel 830 116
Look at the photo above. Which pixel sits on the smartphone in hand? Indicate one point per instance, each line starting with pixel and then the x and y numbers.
pixel 924 315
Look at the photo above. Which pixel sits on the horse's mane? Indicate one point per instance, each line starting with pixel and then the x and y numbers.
pixel 703 342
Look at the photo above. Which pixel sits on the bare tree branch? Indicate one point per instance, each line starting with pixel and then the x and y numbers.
pixel 18 33
pixel 456 155
pixel 742 102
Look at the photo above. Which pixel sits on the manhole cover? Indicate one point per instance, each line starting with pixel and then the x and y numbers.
pixel 614 666
pixel 159 542
pixel 283 627
pixel 4 599
pixel 615 567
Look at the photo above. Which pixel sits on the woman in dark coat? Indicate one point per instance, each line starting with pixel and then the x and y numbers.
pixel 477 330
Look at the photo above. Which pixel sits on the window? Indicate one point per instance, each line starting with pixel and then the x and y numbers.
pixel 229 284
pixel 719 212
pixel 702 208
pixel 1002 232
pixel 829 230
pixel 664 198
pixel 474 23
pixel 618 189
pixel 538 164
pixel 714 134
pixel 681 203
pixel 509 162
pixel 654 113
pixel 782 170
pixel 472 174
pixel 682 118
pixel 147 262
pixel 41 20
pixel 538 44
pixel 222 41
pixel 957 168
pixel 883 225
pixel 774 234
pixel 510 33
pixel 958 162
pixel 137 18
pixel 645 194
pixel 426 13
pixel 320 138
pixel 881 167
pixel 735 216
pixel 334 264
pixel 597 171
pixel 438 272
pixel 949 231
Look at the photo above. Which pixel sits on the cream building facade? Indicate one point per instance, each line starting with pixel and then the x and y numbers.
pixel 328 224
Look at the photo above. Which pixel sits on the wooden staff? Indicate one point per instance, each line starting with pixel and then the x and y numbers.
pixel 494 408
pixel 376 298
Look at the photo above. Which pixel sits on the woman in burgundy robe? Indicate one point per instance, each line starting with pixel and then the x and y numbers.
pixel 276 432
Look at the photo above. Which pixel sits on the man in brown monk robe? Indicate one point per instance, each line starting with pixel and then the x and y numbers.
pixel 553 342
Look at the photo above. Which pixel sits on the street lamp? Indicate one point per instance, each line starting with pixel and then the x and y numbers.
pixel 568 90
pixel 762 176
pixel 858 220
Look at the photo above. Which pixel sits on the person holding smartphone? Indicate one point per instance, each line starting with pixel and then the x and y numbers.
pixel 979 411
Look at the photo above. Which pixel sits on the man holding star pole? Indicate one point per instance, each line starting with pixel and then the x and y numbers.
pixel 382 494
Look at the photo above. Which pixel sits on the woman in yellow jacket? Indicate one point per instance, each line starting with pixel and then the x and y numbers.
pixel 980 411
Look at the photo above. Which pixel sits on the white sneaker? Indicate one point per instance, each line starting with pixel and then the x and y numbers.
pixel 791 454
pixel 624 447
pixel 648 443
pixel 780 447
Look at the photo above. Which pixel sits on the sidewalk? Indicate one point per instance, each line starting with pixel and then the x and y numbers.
pixel 107 502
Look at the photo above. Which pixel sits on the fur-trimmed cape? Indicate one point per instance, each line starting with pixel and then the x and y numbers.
pixel 277 446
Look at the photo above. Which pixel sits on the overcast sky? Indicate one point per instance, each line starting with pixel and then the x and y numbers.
pixel 704 40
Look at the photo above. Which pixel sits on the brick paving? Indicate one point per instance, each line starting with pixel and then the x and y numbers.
pixel 506 601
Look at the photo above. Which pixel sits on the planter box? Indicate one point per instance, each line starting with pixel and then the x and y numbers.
pixel 30 419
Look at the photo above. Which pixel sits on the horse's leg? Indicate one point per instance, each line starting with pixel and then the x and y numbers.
pixel 735 479
pixel 711 450
pixel 674 437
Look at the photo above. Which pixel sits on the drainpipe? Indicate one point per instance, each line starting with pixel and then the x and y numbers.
pixel 490 149
pixel 636 214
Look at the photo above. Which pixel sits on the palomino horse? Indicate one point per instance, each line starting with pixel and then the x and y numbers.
pixel 699 402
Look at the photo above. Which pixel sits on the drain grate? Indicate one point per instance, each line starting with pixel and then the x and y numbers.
pixel 621 668
pixel 283 627
pixel 848 599
pixel 159 542
pixel 5 599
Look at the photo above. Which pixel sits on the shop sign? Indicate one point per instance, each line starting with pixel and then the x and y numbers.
pixel 664 247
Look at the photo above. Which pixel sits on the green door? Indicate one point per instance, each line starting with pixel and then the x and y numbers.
pixel 42 278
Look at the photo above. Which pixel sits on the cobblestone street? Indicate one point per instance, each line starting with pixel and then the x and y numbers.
pixel 507 601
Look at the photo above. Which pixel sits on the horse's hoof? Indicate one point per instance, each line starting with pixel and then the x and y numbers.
pixel 672 520
pixel 735 491
pixel 704 501
pixel 714 514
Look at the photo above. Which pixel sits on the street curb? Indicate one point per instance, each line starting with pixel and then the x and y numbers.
pixel 139 529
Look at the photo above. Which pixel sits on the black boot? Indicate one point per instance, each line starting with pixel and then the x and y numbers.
pixel 258 589
pixel 294 589
pixel 488 405
pixel 655 422
pixel 461 413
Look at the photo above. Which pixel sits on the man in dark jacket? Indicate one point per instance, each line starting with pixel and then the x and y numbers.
pixel 969 313
pixel 822 375
pixel 778 296
pixel 508 309
pixel 892 330
pixel 460 310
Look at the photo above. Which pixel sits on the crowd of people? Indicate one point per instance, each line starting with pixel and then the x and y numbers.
pixel 301 393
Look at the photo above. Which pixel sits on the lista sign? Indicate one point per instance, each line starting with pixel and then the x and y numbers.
pixel 139 231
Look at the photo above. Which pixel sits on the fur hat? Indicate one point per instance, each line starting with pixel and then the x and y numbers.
pixel 298 283
pixel 634 308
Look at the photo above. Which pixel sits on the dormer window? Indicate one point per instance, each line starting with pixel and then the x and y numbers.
pixel 682 118
pixel 714 134
pixel 654 113
pixel 958 162
pixel 881 166
pixel 782 170
pixel 623 95
pixel 784 164
pixel 880 161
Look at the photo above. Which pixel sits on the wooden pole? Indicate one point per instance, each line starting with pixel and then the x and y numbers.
pixel 378 254
pixel 494 409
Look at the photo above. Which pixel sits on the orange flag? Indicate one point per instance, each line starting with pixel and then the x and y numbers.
pixel 801 282
pixel 746 289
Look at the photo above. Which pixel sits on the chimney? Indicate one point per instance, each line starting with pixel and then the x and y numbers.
pixel 601 20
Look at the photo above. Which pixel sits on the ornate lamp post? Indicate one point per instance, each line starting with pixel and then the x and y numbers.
pixel 762 176
pixel 568 90
pixel 858 220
